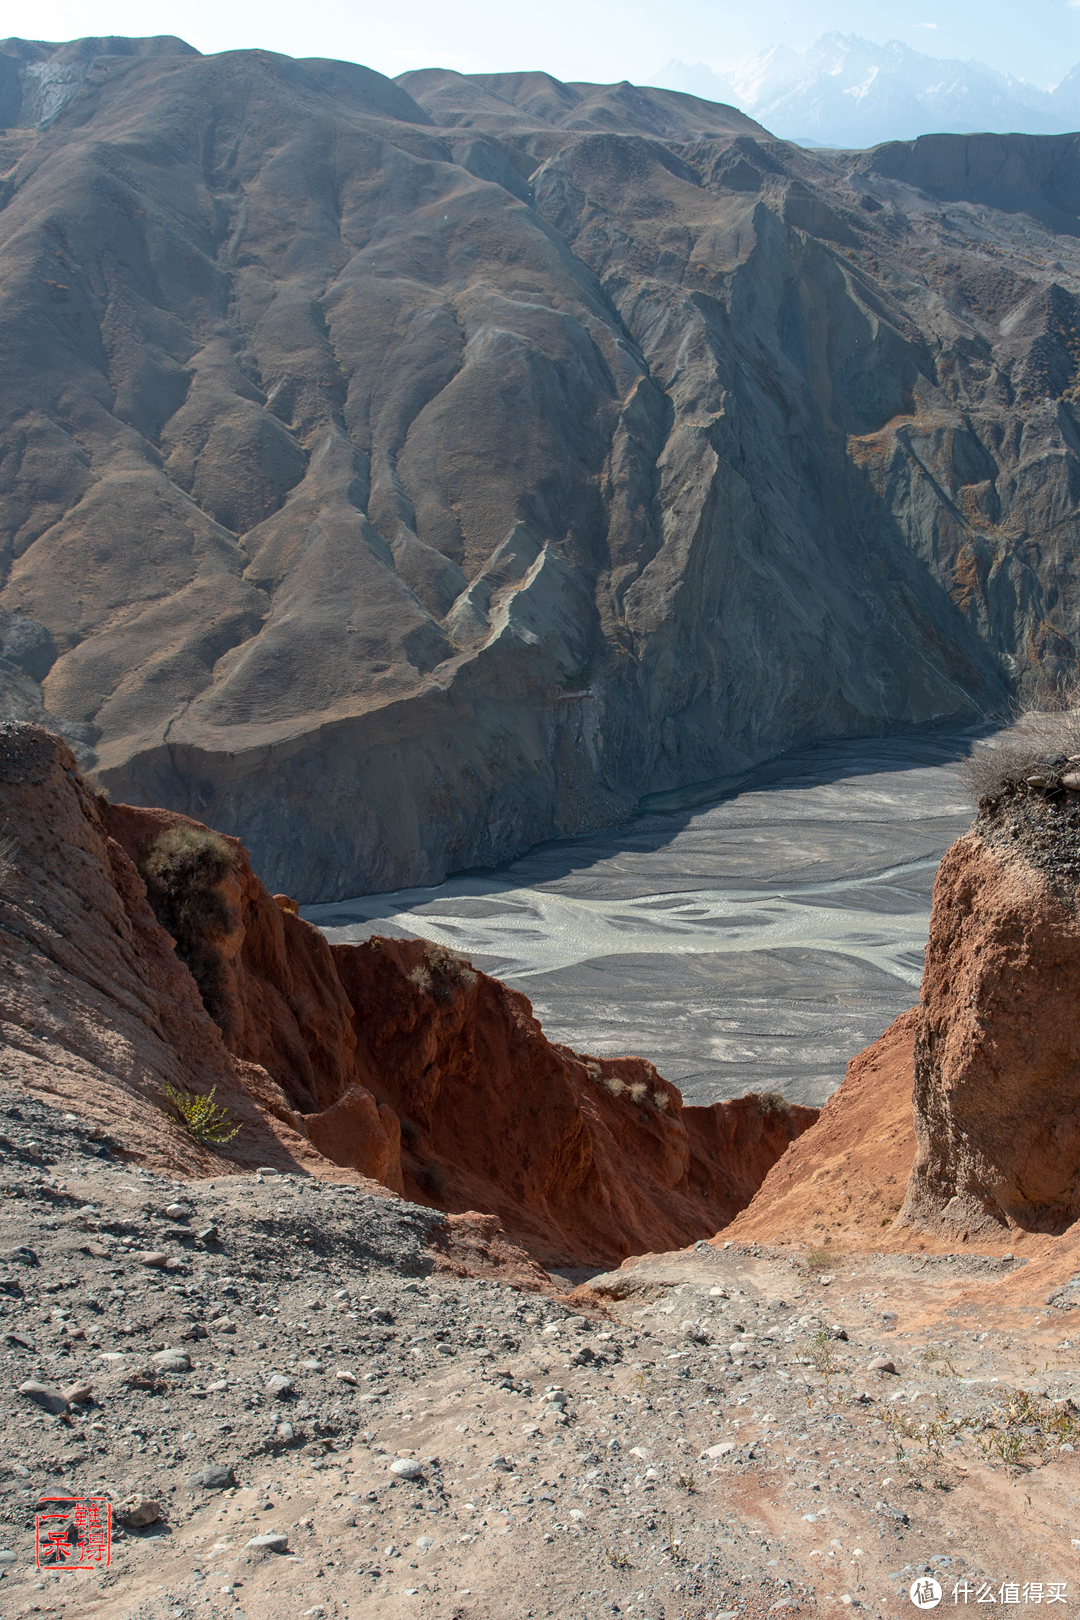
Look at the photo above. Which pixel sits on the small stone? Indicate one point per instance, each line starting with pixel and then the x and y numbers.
pixel 156 1259
pixel 407 1468
pixel 45 1395
pixel 138 1512
pixel 576 1324
pixel 171 1360
pixel 881 1364
pixel 724 1449
pixel 425 1543
pixel 272 1541
pixel 345 1376
pixel 278 1384
pixel 312 1365
pixel 285 1431
pixel 176 1212
pixel 1071 780
pixel 78 1394
pixel 267 1170
pixel 223 1324
pixel 98 1251
pixel 215 1477
pixel 207 1234
pixel 7 1556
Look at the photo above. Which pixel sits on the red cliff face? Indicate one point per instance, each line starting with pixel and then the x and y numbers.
pixel 585 1160
pixel 997 1051
pixel 392 1059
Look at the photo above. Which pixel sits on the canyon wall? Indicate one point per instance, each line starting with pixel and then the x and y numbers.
pixel 393 475
pixel 393 1060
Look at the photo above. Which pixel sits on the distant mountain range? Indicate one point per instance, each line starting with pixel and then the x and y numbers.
pixel 845 91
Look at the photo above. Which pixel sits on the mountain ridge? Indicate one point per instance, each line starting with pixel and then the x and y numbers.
pixel 849 92
pixel 396 479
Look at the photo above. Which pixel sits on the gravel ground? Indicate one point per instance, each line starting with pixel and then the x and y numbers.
pixel 714 1443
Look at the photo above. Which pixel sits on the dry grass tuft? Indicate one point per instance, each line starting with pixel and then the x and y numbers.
pixel 1046 731
pixel 614 1085
pixel 661 1099
pixel 442 972
pixel 773 1102
pixel 182 873
pixel 639 1093
pixel 9 859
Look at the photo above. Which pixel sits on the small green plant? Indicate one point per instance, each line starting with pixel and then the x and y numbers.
pixel 203 1119
pixel 688 1483
pixel 822 1353
pixel 617 1558
pixel 819 1260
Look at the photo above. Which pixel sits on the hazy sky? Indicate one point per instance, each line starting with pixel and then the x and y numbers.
pixel 576 39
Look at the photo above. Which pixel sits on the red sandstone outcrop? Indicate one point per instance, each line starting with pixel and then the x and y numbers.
pixel 319 1054
pixel 584 1159
pixel 997 1052
pixel 843 1181
pixel 95 1008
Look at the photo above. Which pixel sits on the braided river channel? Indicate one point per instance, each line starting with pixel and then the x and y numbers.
pixel 747 934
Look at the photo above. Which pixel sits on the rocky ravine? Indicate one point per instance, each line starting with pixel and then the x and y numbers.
pixel 389 1061
pixel 437 466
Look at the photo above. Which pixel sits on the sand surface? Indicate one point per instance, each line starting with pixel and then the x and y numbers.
pixel 753 933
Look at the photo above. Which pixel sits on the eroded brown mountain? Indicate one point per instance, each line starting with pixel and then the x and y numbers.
pixel 396 474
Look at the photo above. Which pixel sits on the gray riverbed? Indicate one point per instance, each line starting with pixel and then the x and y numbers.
pixel 744 935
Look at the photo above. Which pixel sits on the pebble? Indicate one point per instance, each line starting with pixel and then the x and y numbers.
pixel 45 1395
pixel 881 1364
pixel 278 1384
pixel 156 1259
pixel 176 1212
pixel 311 1365
pixel 171 1360
pixel 407 1468
pixel 138 1512
pixel 78 1394
pixel 273 1541
pixel 214 1477
pixel 345 1376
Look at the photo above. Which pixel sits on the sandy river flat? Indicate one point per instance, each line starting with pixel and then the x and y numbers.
pixel 746 935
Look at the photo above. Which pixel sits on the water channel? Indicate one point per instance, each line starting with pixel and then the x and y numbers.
pixel 750 934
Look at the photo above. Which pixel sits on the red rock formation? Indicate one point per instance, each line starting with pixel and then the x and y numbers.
pixel 96 1011
pixel 997 1054
pixel 843 1181
pixel 584 1160
pixel 319 1053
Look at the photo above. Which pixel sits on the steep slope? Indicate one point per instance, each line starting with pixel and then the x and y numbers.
pixel 393 1061
pixel 393 475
